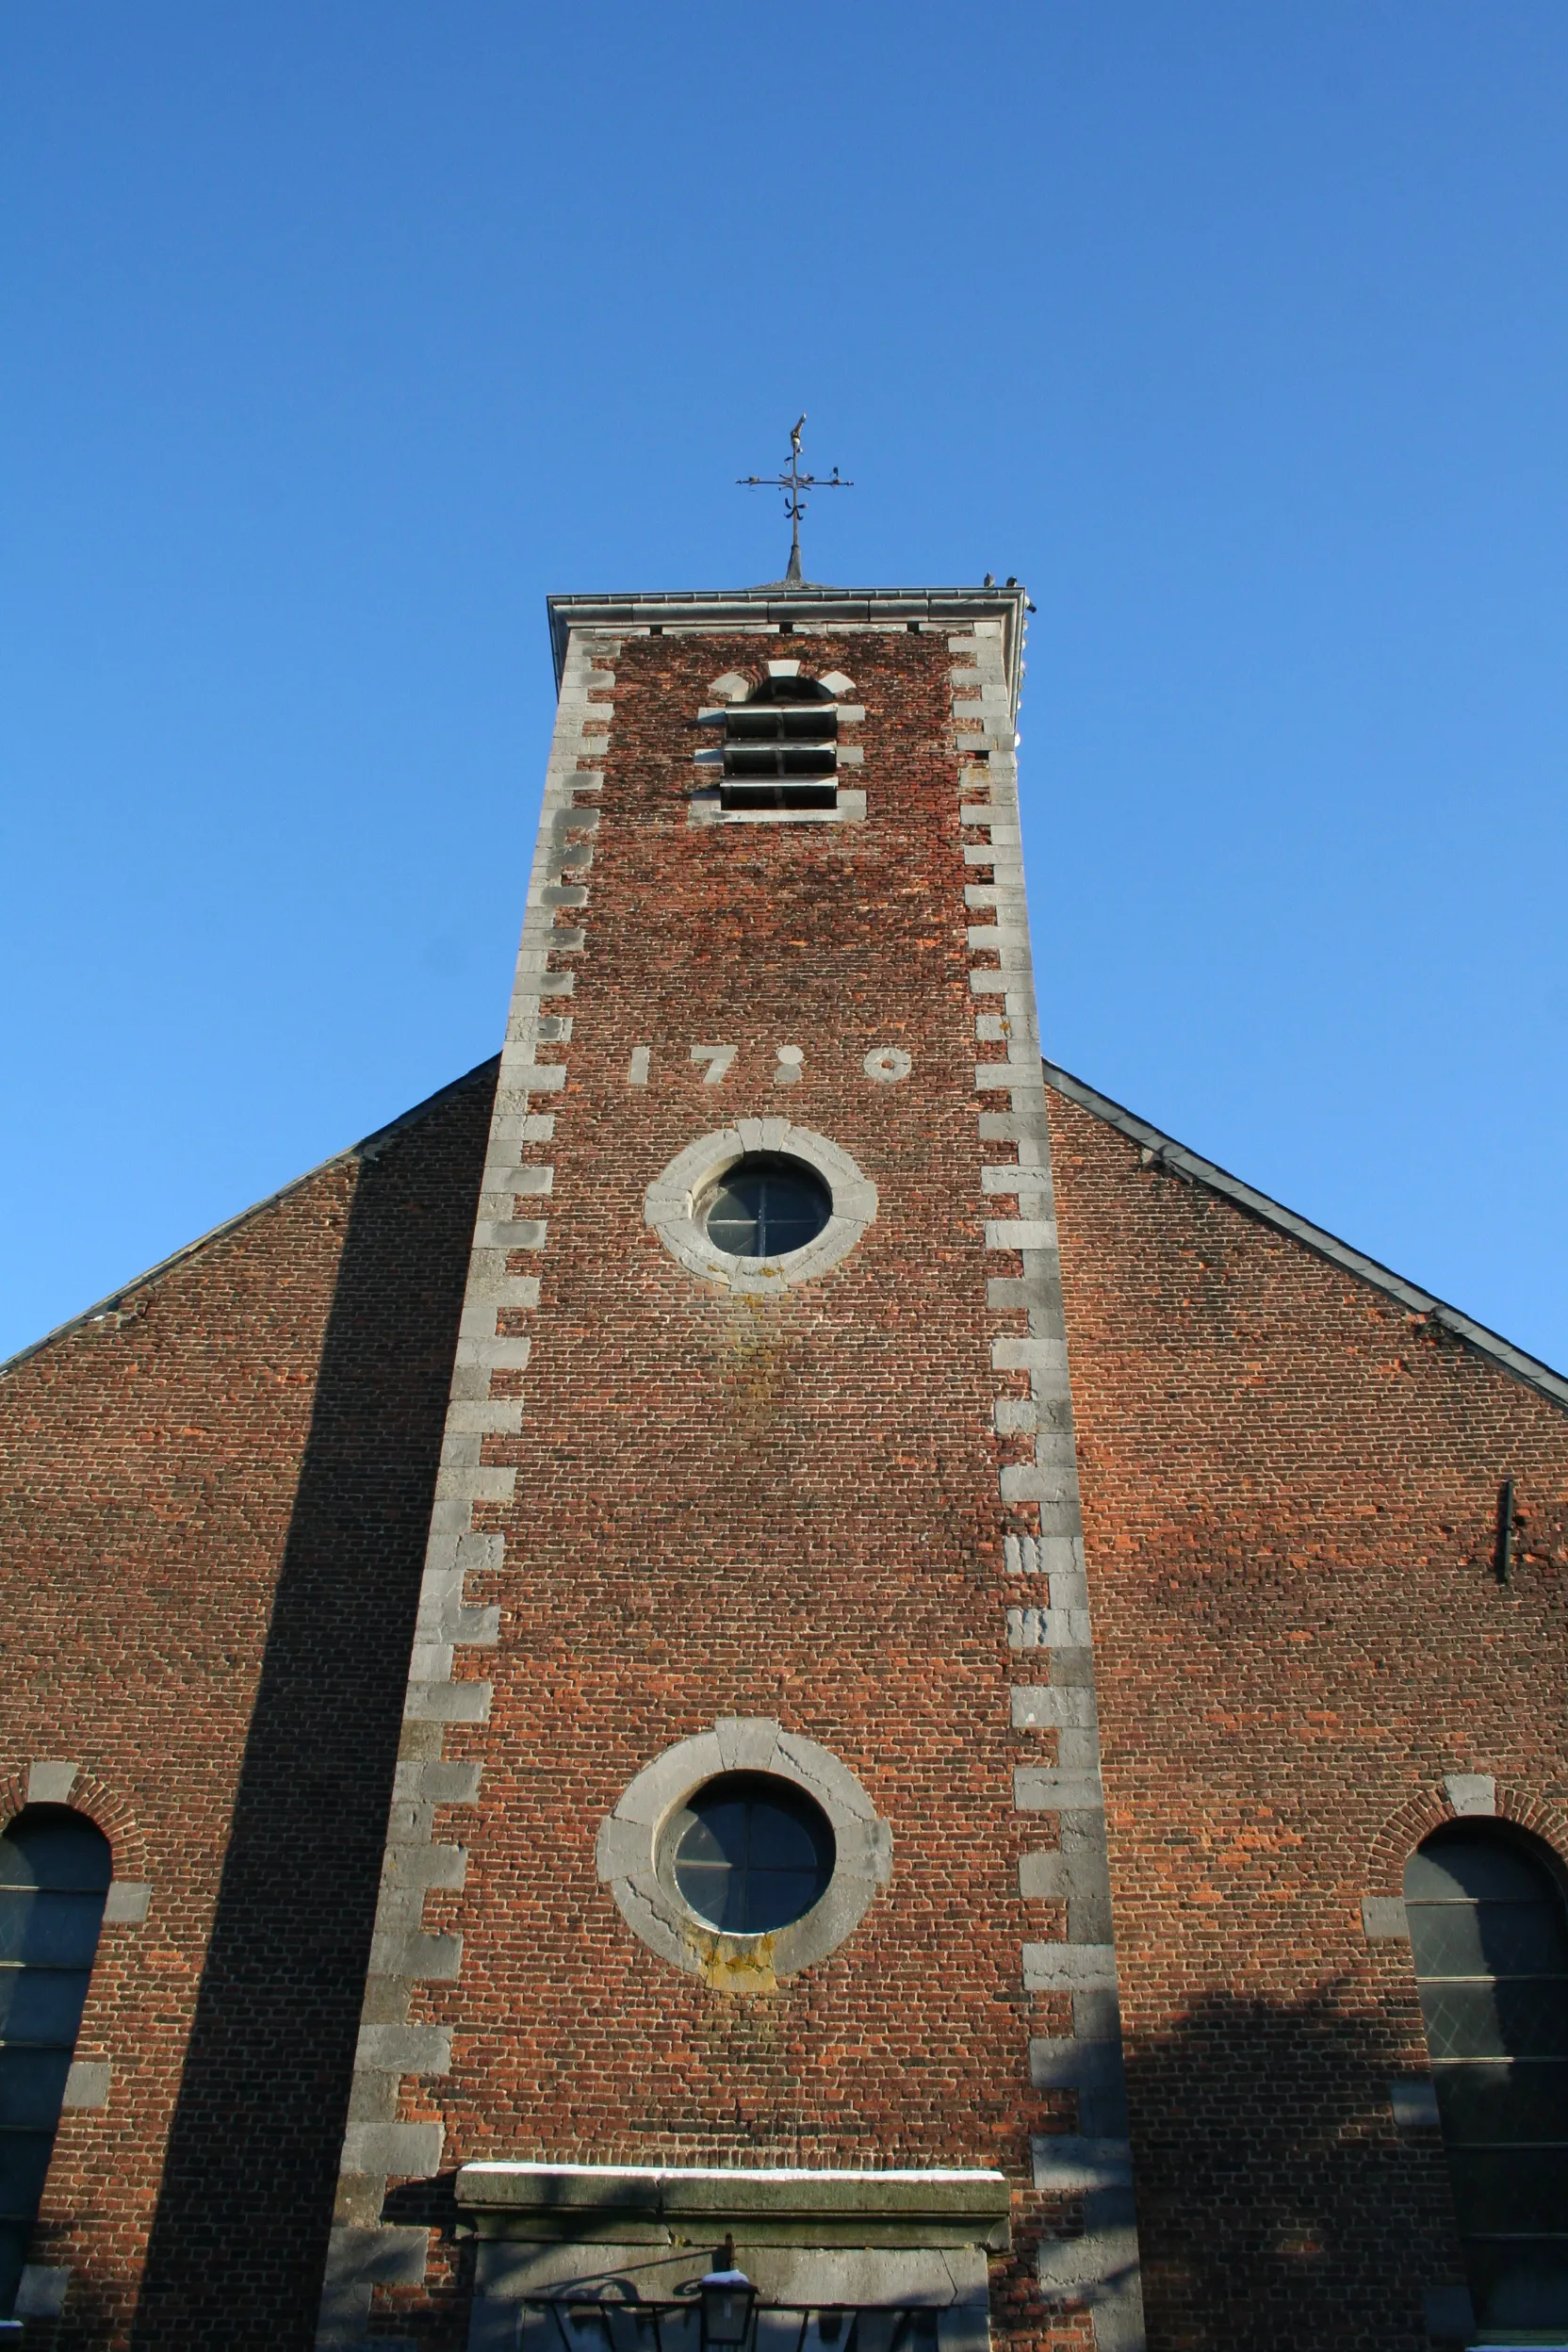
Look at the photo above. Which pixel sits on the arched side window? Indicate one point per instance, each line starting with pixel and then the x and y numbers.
pixel 55 1869
pixel 1490 1938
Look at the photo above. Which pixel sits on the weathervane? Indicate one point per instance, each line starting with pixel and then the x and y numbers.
pixel 792 483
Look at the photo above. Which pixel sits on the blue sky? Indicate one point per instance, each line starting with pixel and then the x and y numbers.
pixel 334 337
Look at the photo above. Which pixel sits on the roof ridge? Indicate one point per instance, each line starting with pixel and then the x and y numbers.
pixel 368 1148
pixel 1195 1170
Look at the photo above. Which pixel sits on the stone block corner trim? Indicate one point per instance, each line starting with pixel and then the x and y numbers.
pixel 378 2144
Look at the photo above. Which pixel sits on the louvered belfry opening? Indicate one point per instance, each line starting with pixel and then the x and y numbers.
pixel 781 749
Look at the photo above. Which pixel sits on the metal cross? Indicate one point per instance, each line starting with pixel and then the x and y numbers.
pixel 792 483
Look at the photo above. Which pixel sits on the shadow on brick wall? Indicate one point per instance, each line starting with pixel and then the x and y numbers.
pixel 1277 2207
pixel 240 2234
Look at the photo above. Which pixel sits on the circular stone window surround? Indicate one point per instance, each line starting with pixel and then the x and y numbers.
pixel 627 1854
pixel 669 1203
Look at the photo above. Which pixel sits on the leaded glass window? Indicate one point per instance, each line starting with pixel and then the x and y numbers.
pixel 750 1853
pixel 1490 1939
pixel 765 1206
pixel 55 1869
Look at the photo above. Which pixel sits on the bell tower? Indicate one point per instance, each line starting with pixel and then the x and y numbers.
pixel 746 1878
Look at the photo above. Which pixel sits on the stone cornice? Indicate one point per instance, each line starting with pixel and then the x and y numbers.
pixel 802 608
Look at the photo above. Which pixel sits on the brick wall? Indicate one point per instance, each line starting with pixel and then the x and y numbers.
pixel 214 1505
pixel 1290 1487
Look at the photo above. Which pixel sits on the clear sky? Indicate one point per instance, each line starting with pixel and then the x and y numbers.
pixel 336 335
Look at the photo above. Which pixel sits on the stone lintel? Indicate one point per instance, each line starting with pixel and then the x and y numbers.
pixel 782 2206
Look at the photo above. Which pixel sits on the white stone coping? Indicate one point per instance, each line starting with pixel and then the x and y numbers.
pixel 767 2188
pixel 627 1854
pixel 668 1204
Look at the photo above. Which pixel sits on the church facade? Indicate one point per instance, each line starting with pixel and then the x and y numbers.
pixel 771 1644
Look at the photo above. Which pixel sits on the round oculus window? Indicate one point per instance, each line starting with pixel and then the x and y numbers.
pixel 765 1206
pixel 749 1854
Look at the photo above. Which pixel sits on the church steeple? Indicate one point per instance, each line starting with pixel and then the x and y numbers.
pixel 775 1396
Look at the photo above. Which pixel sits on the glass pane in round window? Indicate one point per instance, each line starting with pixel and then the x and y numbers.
pixel 765 1206
pixel 750 1853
